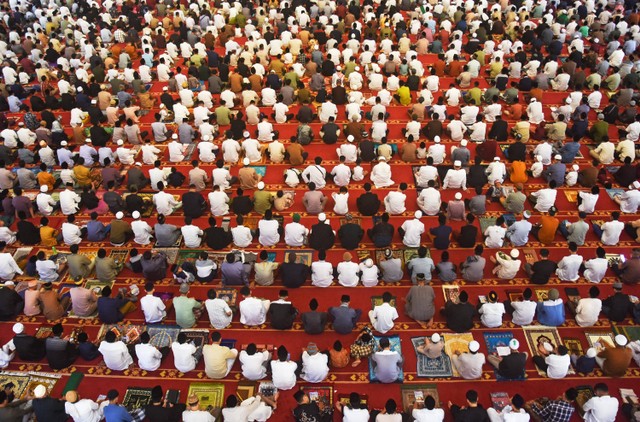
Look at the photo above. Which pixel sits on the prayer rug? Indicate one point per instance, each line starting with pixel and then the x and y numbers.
pixel 245 390
pixel 210 394
pixel 574 346
pixel 271 256
pixel 500 400
pixel 613 259
pixel 97 286
pixel 456 343
pixel 189 152
pixel 252 222
pixel 486 222
pixel 495 339
pixel 630 332
pixel 377 301
pixel 175 245
pixel 260 170
pixel 43 332
pixel 19 379
pixel 541 294
pixel 363 254
pixel 514 295
pixel 614 192
pixel 64 288
pixel 136 398
pixel 451 292
pixel 354 220
pixel 396 346
pixel 120 255
pixel 418 392
pixel 530 255
pixel 343 399
pixel 162 335
pixel 228 295
pixel 171 253
pixel 572 195
pixel 187 255
pixel 302 256
pixel 49 380
pixel 21 255
pixel 199 337
pixel 395 253
pixel 537 336
pixel 509 218
pixel 129 333
pixel 596 339
pixel 439 367
pixel 320 393
pixel 409 253
pixel 585 392
pixel 147 198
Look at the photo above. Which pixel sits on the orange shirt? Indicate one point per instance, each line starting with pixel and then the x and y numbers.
pixel 46 178
pixel 519 172
pixel 548 228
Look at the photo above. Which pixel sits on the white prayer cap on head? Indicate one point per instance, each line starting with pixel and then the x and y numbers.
pixel 135 214
pixel 322 216
pixel 205 138
pixel 496 158
pixel 474 346
pixel 514 344
pixel 64 143
pixel 94 101
pixel 357 68
pixel 435 338
pixel 246 161
pixel 88 140
pixel 457 163
pixel 350 138
pixel 120 142
pixel 174 136
pixel 557 157
pixel 44 188
pixel 538 157
pixel 382 158
pixel 575 167
pixel 18 328
pixel 417 214
pixel 635 185
pixel 436 139
pixel 260 185
pixel 458 195
pixel 621 340
pixel 246 134
pixel 138 163
pixel 20 123
pixel 547 346
pixel 80 89
pixel 463 143
pixel 119 215
pixel 40 391
pixel 591 352
pixel 165 88
pixel 526 214
pixel 514 253
pixel 568 100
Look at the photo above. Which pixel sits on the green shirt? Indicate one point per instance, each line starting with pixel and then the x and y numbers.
pixel 262 201
pixel 223 115
pixel 599 130
pixel 184 307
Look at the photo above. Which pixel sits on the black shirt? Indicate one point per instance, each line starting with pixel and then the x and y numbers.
pixel 517 152
pixel 459 316
pixel 314 322
pixel 217 238
pixel 368 203
pixel 625 175
pixel 294 274
pixel 381 234
pixel 367 150
pixel 114 201
pixel 468 236
pixel 176 179
pixel 542 271
pixel 321 237
pixel 242 205
pixel 469 414
pixel 330 133
pixel 193 204
pixel 308 412
pixel 28 347
pixel 499 131
pixel 617 307
pixel 133 203
pixel 28 233
pixel 350 235
pixel 157 413
pixel 512 366
pixel 11 304
pixel 282 315
pixel 49 409
pixel 476 176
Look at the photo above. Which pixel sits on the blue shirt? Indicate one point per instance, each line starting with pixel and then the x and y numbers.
pixel 569 150
pixel 96 231
pixel 116 413
pixel 441 235
pixel 109 309
pixel 551 315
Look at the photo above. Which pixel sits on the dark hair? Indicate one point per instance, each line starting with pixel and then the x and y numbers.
pixel 472 396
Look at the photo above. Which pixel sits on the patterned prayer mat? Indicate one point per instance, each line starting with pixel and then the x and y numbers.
pixel 377 301
pixel 97 286
pixel 49 380
pixel 456 343
pixel 574 345
pixel 597 338
pixel 199 337
pixel 302 256
pixel 21 255
pixel 614 192
pixel 486 222
pixel 19 379
pixel 394 342
pixel 395 253
pixel 147 198
pixel 431 368
pixel 210 394
pixel 120 255
pixel 585 392
pixel 572 195
pixel 246 389
pixel 537 336
pixel 515 295
pixel 136 398
pixel 613 259
pixel 171 253
pixel 530 255
pixel 129 333
pixel 541 294
pixel 409 394
pixel 320 393
pixel 495 339
pixel 228 295
pixel 451 292
pixel 43 332
pixel 409 253
pixel 631 332
pixel 354 220
pixel 261 170
pixel 162 335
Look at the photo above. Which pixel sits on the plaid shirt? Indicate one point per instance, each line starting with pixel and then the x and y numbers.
pixel 554 411
pixel 119 35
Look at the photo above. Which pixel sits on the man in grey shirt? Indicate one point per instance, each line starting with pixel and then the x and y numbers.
pixel 575 232
pixel 344 318
pixel 186 133
pixel 421 264
pixel 159 129
pixel 473 267
pixel 391 268
pixel 420 302
pixel 518 232
pixel 386 363
pixel 478 204
pixel 166 234
pixel 314 200
pixel 514 202
pixel 26 178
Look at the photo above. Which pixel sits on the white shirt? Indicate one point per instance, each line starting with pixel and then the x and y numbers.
pixel 429 201
pixel 589 201
pixel 601 409
pixel 8 266
pixel 341 174
pixel 413 230
pixel 456 179
pixel 84 410
pixel 253 365
pixel 381 175
pixel 546 198
pixel 395 202
pixel 158 175
pixel 192 235
pixel 524 311
pixel 283 374
pixel 558 366
pixel 321 273
pixel 153 308
pixel 220 314
pixel 149 358
pixel 183 358
pixel 426 415
pixel 382 317
pixel 294 234
pixel 71 233
pixel 269 235
pixel 142 232
pixel 69 201
pixel 341 203
pixel 424 174
pixel 45 203
pixel 611 231
pixel 219 201
pixel 587 311
pixel 491 314
pixel 369 275
pixel 630 201
pixel 315 367
pixel 315 174
pixel 568 268
pixel 595 269
pixel 116 355
pixel 242 236
pixel 348 274
pixel 165 203
pixel 252 311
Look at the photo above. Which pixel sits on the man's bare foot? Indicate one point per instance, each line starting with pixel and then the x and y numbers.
pixel 356 363
pixel 423 324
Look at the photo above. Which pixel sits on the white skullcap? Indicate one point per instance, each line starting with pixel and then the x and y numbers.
pixel 557 157
pixel 547 346
pixel 514 344
pixel 458 195
pixel 165 88
pixel 120 142
pixel 591 352
pixel 635 185
pixel 382 158
pixel 322 216
pixel 435 338
pixel 457 163
pixel 174 136
pixel 436 139
pixel 260 185
pixel 463 143
pixel 88 140
pixel 368 262
pixel 538 157
pixel 595 40
pixel 64 143
pixel 338 68
pixel 246 161
pixel 205 138
pixel 94 101
pixel 79 89
pixel 357 68
pixel 20 123
pixel 119 215
pixel 138 163
pixel 417 214
pixel 568 100
pixel 44 188
pixel 18 328
pixel 350 138
pixel 40 391
pixel 514 253
pixel 621 340
pixel 135 214
pixel 246 134
pixel 526 214
pixel 575 167
pixel 533 100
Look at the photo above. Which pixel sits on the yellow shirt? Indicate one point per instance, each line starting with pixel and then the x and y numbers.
pixel 82 175
pixel 215 360
pixel 48 236
pixel 45 178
